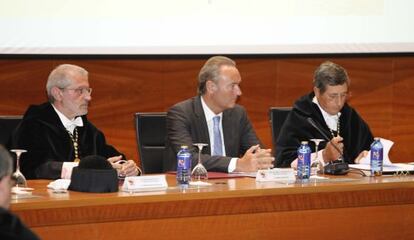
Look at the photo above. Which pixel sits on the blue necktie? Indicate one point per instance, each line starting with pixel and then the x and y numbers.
pixel 218 145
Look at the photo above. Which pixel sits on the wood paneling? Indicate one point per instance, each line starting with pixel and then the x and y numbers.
pixel 402 122
pixel 381 90
pixel 314 224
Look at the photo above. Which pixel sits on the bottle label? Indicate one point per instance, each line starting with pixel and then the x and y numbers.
pixel 183 162
pixel 376 155
pixel 183 167
pixel 376 158
pixel 304 161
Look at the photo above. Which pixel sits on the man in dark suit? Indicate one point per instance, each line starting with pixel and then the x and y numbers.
pixel 214 118
pixel 10 225
pixel 58 133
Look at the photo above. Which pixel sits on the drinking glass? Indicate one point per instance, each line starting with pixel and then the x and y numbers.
pixel 317 165
pixel 199 172
pixel 17 175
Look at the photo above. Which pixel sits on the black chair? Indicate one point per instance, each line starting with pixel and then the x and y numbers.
pixel 7 126
pixel 277 116
pixel 151 135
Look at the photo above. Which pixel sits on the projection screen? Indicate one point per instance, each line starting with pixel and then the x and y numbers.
pixel 206 26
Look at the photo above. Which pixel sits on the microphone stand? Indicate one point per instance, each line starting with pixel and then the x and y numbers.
pixel 337 167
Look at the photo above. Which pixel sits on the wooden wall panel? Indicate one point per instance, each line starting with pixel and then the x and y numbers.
pixel 258 93
pixel 294 79
pixel 22 83
pixel 381 90
pixel 394 222
pixel 180 80
pixel 402 122
pixel 371 88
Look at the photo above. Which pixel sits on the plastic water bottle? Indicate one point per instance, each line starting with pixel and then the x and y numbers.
pixel 304 160
pixel 376 157
pixel 183 166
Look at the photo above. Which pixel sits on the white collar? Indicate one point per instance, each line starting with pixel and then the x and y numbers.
pixel 331 120
pixel 67 123
pixel 208 112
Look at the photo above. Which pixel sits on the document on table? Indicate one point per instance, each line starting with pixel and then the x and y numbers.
pixel 386 169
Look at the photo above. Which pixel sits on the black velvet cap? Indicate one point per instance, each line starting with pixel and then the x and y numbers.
pixel 94 174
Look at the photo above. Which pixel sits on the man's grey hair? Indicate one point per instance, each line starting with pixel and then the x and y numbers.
pixel 211 71
pixel 6 165
pixel 329 73
pixel 61 77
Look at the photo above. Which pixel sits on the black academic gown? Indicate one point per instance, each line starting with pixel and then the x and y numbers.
pixel 353 129
pixel 48 144
pixel 11 228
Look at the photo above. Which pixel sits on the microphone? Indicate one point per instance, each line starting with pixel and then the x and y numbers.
pixel 337 167
pixel 313 123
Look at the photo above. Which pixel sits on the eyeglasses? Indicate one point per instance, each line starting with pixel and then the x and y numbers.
pixel 80 91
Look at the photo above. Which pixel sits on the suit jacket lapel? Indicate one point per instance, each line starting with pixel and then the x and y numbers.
pixel 228 132
pixel 201 124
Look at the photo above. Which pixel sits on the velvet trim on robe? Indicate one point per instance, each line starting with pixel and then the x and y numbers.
pixel 48 144
pixel 353 129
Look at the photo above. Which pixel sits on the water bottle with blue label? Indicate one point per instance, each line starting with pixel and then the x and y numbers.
pixel 304 160
pixel 183 166
pixel 376 157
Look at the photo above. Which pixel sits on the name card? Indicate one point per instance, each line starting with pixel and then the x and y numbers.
pixel 145 183
pixel 276 174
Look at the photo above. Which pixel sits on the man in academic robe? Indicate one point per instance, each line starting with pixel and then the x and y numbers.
pixel 327 107
pixel 214 118
pixel 58 132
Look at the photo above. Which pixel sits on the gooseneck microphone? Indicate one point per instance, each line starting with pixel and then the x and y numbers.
pixel 313 123
pixel 338 167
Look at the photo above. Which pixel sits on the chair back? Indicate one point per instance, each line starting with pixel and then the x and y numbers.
pixel 151 135
pixel 8 124
pixel 277 116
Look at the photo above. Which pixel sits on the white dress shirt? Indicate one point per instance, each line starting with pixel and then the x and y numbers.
pixel 331 120
pixel 209 114
pixel 70 125
pixel 67 123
